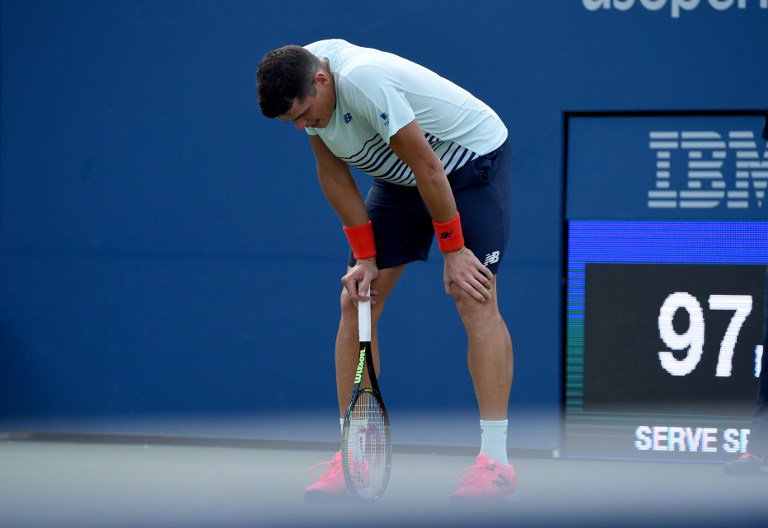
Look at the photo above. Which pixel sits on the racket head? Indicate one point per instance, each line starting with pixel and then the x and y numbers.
pixel 366 446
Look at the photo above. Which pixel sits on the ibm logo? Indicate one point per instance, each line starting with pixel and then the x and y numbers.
pixel 709 158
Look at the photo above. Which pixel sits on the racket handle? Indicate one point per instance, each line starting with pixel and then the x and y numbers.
pixel 364 320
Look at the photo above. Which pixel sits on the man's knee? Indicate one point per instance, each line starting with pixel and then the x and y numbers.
pixel 459 296
pixel 348 308
pixel 467 305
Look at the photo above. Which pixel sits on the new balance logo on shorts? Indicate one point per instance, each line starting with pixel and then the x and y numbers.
pixel 491 258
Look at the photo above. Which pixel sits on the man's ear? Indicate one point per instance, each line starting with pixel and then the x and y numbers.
pixel 321 78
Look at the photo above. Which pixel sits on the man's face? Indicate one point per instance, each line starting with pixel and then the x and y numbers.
pixel 315 111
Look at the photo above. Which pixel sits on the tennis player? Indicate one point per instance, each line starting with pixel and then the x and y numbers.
pixel 753 461
pixel 440 162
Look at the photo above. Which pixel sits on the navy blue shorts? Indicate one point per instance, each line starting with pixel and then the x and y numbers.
pixel 402 225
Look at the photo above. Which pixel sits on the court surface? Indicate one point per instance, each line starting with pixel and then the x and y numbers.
pixel 112 482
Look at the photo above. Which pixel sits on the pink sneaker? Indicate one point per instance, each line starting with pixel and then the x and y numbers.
pixel 331 485
pixel 486 481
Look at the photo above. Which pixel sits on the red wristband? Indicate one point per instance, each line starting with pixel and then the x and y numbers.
pixel 361 240
pixel 449 237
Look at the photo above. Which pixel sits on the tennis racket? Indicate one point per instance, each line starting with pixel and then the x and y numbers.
pixel 366 446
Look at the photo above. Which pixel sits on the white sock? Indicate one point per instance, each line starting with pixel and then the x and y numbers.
pixel 341 424
pixel 493 442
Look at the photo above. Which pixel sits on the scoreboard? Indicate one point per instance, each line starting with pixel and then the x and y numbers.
pixel 666 262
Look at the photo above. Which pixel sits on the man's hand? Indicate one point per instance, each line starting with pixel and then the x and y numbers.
pixel 463 268
pixel 359 278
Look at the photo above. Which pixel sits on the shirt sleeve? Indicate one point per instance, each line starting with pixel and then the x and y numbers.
pixel 374 94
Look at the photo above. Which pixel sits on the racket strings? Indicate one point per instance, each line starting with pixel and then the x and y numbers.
pixel 368 446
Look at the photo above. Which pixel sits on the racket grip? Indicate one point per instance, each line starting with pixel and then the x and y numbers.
pixel 364 320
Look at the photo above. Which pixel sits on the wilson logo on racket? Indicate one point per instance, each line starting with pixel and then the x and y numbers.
pixel 359 373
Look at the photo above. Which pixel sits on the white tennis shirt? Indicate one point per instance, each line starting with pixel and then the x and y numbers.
pixel 378 93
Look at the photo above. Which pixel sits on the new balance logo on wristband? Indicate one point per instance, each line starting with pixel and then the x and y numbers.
pixel 491 258
pixel 449 236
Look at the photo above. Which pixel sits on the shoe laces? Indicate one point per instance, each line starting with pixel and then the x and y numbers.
pixel 478 471
pixel 333 468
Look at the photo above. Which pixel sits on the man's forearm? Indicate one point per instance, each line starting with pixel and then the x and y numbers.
pixel 342 193
pixel 411 147
pixel 436 193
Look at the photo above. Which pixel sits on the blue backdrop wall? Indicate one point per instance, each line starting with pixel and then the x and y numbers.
pixel 164 248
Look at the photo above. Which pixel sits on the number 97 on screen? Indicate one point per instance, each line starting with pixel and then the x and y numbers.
pixel 693 338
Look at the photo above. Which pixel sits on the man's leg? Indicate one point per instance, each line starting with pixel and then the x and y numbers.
pixel 489 352
pixel 330 485
pixel 347 338
pixel 489 357
pixel 482 196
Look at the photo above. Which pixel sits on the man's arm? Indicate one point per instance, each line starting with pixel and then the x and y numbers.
pixel 410 146
pixel 338 185
pixel 342 193
pixel 461 266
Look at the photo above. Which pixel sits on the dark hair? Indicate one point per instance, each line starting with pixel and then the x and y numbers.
pixel 284 75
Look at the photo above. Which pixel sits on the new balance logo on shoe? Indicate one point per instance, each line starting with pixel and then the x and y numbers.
pixel 491 258
pixel 486 481
pixel 503 483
